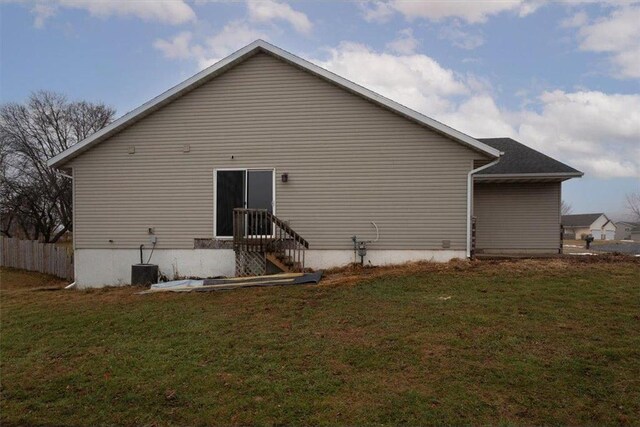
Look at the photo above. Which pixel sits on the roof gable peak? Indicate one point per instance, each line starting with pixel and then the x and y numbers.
pixel 240 56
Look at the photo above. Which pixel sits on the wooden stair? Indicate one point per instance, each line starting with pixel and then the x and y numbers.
pixel 260 232
pixel 284 262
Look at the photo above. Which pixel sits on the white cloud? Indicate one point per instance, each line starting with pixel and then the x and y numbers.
pixel 460 38
pixel 179 47
pixel 209 50
pixel 576 20
pixel 405 44
pixel 596 132
pixel 471 12
pixel 42 12
pixel 172 12
pixel 271 10
pixel 232 37
pixel 618 35
pixel 480 117
pixel 415 80
pixel 376 11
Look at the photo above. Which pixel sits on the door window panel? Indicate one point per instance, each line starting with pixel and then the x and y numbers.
pixel 229 195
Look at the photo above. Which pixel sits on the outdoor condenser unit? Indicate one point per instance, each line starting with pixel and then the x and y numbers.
pixel 144 273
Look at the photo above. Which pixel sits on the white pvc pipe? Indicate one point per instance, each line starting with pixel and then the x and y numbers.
pixel 470 199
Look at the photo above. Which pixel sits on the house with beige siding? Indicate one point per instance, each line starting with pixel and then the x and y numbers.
pixel 598 225
pixel 266 159
pixel 624 229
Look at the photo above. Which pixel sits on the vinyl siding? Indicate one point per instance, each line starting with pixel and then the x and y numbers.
pixel 517 217
pixel 349 162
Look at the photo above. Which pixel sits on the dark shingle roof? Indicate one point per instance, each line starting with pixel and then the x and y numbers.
pixel 520 159
pixel 579 220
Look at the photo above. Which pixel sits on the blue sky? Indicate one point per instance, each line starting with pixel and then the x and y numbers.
pixel 563 78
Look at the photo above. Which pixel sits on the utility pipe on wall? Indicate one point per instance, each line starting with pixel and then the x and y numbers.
pixel 65 175
pixel 470 199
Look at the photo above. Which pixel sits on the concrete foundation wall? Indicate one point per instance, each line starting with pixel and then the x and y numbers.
pixel 319 259
pixel 522 252
pixel 112 267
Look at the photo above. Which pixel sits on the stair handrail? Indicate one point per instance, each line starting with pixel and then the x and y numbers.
pixel 275 221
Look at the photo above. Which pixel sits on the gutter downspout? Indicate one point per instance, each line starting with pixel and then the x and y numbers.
pixel 470 199
pixel 59 172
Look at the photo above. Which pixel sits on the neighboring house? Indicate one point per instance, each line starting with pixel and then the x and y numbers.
pixel 635 234
pixel 323 158
pixel 624 228
pixel 581 225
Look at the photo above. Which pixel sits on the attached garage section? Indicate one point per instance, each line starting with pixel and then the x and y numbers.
pixel 517 217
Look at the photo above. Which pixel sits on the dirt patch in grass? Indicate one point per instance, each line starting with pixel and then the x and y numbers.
pixel 355 273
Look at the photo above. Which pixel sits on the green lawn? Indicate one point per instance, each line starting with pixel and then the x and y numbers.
pixel 527 342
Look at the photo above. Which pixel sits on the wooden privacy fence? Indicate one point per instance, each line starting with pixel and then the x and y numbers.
pixel 32 255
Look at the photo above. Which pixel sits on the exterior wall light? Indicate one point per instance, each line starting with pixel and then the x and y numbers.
pixel 285 177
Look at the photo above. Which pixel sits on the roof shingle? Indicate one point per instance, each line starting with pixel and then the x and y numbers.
pixel 520 159
pixel 580 220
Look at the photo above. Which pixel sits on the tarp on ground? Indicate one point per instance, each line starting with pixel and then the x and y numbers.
pixel 207 285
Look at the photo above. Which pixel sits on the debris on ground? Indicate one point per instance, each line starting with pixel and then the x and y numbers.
pixel 207 285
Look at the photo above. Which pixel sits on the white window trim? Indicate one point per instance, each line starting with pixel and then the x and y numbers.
pixel 215 195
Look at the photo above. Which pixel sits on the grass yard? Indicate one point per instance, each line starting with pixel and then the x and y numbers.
pixel 516 342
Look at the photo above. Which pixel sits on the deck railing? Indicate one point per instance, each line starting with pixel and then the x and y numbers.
pixel 258 230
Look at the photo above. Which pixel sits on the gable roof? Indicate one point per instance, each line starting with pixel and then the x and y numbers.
pixel 520 160
pixel 241 55
pixel 580 220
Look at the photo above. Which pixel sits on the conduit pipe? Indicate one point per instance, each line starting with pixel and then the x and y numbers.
pixel 470 199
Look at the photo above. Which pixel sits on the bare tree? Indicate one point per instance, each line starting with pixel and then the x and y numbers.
pixel 35 198
pixel 565 208
pixel 633 205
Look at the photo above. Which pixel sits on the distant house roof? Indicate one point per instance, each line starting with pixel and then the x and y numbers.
pixel 635 226
pixel 629 223
pixel 580 220
pixel 518 159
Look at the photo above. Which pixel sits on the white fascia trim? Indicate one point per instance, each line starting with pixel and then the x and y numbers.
pixel 151 105
pixel 531 175
pixel 239 55
pixel 470 200
pixel 373 96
